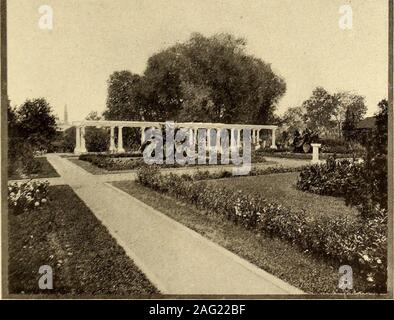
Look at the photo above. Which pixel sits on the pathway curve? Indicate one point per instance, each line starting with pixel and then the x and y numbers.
pixel 176 259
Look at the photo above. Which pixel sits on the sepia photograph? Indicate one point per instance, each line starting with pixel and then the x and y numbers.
pixel 173 149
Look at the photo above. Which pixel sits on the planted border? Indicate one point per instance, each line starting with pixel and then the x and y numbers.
pixel 360 244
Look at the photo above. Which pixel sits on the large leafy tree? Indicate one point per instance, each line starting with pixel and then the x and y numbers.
pixel 351 109
pixel 120 102
pixel 320 108
pixel 206 79
pixel 36 123
pixel 294 119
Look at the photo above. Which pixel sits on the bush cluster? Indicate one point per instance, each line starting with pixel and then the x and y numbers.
pixel 338 146
pixel 357 243
pixel 111 163
pixel 27 196
pixel 21 159
pixel 349 179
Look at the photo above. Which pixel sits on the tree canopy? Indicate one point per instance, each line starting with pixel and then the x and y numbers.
pixel 328 114
pixel 203 79
pixel 34 122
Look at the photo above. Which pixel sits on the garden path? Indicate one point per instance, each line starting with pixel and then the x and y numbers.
pixel 176 259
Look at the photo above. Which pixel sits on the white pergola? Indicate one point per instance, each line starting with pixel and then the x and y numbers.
pixel 80 145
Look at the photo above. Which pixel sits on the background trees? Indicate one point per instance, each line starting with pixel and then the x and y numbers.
pixel 203 79
pixel 351 109
pixel 35 123
pixel 31 127
pixel 320 109
pixel 121 104
pixel 331 115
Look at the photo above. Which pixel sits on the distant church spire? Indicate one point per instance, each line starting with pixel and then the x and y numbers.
pixel 65 120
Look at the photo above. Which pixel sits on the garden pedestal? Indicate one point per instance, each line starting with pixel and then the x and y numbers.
pixel 315 152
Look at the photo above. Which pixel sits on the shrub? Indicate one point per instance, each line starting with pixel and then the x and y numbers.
pixel 97 139
pixel 361 244
pixel 338 146
pixel 21 158
pixel 25 196
pixel 354 181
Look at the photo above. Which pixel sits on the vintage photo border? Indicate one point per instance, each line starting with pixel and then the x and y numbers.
pixel 4 206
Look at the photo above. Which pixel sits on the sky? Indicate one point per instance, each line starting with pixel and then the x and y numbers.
pixel 91 39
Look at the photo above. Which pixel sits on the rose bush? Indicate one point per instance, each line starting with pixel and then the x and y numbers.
pixel 27 196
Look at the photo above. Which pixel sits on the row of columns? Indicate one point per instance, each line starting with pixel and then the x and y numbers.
pixel 235 138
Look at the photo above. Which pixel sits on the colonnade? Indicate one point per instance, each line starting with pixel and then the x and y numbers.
pixel 234 132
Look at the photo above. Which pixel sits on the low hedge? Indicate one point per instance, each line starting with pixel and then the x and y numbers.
pixel 341 147
pixel 358 243
pixel 205 175
pixel 110 163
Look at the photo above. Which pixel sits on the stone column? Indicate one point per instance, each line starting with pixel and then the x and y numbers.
pixel 218 145
pixel 192 145
pixel 239 138
pixel 273 144
pixel 315 152
pixel 209 139
pixel 142 135
pixel 120 140
pixel 83 143
pixel 77 148
pixel 233 142
pixel 195 132
pixel 258 146
pixel 112 147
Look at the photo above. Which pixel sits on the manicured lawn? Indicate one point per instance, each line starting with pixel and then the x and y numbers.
pixel 67 236
pixel 281 188
pixel 301 269
pixel 46 171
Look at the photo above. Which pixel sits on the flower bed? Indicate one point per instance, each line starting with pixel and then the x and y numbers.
pixel 361 245
pixel 27 196
pixel 110 163
pixel 114 162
